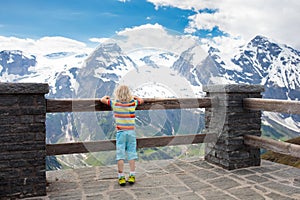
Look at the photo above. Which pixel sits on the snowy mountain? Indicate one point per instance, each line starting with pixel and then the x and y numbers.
pixel 273 65
pixel 149 73
pixel 154 72
pixel 14 63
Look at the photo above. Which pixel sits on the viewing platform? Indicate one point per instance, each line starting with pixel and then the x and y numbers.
pixel 231 169
pixel 188 179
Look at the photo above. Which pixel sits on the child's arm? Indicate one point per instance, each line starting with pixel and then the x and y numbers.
pixel 105 100
pixel 140 100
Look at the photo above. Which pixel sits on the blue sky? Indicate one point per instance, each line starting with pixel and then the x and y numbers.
pixel 84 19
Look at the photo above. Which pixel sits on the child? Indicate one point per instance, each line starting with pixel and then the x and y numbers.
pixel 124 112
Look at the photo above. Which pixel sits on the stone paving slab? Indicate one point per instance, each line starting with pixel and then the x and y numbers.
pixel 191 179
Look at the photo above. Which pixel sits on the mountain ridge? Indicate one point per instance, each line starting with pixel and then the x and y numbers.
pixel 82 75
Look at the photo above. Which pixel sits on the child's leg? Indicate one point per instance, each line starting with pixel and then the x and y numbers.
pixel 131 150
pixel 121 176
pixel 132 165
pixel 131 178
pixel 120 166
pixel 120 147
pixel 131 146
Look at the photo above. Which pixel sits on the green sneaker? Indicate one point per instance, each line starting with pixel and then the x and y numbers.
pixel 122 181
pixel 131 179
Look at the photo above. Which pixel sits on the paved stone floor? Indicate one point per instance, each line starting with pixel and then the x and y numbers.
pixel 177 179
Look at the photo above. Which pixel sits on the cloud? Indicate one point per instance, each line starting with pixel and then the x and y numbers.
pixel 154 36
pixel 276 19
pixel 99 40
pixel 185 5
pixel 43 45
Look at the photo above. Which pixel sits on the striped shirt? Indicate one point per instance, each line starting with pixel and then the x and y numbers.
pixel 124 113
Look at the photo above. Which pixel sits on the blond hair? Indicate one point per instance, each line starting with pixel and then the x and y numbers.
pixel 123 93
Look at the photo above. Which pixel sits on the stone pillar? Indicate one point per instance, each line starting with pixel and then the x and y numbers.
pixel 230 121
pixel 22 140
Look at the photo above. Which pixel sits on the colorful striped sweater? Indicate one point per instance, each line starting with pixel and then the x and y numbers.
pixel 124 113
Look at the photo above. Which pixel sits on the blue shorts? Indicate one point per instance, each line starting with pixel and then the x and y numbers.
pixel 126 142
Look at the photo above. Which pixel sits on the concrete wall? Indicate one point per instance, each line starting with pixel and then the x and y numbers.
pixel 22 140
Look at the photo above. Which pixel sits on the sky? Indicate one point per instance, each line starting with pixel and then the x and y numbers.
pixel 88 21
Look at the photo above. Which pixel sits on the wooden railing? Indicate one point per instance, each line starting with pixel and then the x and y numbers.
pixel 107 145
pixel 273 145
pixel 273 105
pixel 90 105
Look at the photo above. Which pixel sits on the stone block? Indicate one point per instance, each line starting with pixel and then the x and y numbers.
pixel 22 138
pixel 8 100
pixel 230 121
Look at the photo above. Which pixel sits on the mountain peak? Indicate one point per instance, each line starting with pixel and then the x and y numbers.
pixel 264 45
pixel 109 47
pixel 259 41
pixel 260 38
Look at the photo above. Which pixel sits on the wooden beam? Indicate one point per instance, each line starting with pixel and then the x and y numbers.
pixel 108 145
pixel 75 105
pixel 175 140
pixel 91 105
pixel 273 105
pixel 273 145
pixel 80 147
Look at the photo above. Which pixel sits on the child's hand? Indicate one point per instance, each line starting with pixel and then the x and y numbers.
pixel 105 99
pixel 140 100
